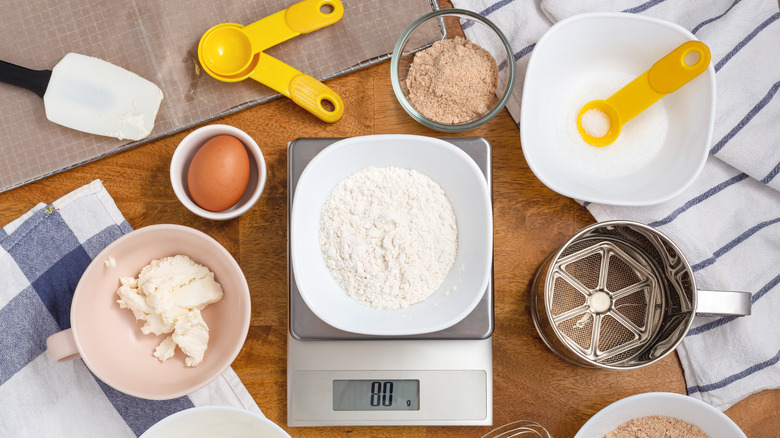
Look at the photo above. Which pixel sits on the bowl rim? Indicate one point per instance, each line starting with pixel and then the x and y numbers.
pixel 411 110
pixel 178 170
pixel 672 397
pixel 184 414
pixel 398 330
pixel 96 263
pixel 601 199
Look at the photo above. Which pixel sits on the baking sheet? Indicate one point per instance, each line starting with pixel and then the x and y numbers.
pixel 158 41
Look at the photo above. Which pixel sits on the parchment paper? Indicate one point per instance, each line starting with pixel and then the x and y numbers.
pixel 158 41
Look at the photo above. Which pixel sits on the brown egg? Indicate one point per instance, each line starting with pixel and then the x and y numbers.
pixel 219 173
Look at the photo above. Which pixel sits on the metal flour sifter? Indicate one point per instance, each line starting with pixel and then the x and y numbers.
pixel 620 295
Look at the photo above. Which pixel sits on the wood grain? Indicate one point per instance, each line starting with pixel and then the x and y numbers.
pixel 530 382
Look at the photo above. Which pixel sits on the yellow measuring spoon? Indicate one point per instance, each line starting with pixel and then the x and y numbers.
pixel 227 49
pixel 600 121
pixel 304 90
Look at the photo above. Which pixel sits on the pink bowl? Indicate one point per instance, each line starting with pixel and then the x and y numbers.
pixel 109 339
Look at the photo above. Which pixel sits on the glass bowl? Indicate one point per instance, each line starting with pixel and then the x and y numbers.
pixel 441 25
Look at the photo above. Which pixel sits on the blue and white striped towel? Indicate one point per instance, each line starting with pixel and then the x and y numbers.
pixel 728 222
pixel 42 257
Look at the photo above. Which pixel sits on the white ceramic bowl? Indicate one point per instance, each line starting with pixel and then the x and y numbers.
pixel 187 149
pixel 215 421
pixel 464 185
pixel 603 44
pixel 710 420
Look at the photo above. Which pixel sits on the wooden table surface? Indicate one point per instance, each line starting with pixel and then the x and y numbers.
pixel 531 221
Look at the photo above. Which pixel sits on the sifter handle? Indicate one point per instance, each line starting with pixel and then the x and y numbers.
pixel 723 303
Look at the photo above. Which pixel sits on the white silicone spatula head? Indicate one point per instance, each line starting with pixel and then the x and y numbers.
pixel 95 96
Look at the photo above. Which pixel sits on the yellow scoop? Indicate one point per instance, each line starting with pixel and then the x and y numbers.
pixel 600 121
pixel 231 52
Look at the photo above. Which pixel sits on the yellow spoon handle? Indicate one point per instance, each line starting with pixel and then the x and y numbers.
pixel 304 90
pixel 665 76
pixel 302 17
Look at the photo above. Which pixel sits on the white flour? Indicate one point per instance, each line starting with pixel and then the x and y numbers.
pixel 388 236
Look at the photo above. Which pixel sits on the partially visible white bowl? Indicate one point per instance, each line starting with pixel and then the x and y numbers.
pixel 465 186
pixel 600 43
pixel 215 421
pixel 180 164
pixel 710 420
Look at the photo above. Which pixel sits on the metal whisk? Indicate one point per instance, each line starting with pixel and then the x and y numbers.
pixel 519 428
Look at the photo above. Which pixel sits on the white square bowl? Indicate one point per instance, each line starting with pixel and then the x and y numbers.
pixel 465 187
pixel 589 44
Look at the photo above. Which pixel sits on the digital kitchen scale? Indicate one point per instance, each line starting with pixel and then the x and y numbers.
pixel 337 378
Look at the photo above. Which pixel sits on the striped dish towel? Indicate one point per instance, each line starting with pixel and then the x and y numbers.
pixel 728 221
pixel 42 257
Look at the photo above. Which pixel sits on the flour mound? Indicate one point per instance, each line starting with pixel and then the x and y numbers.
pixel 388 236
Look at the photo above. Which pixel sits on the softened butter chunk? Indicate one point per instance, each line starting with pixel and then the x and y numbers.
pixel 168 296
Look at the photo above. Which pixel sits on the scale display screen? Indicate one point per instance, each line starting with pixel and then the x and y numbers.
pixel 376 395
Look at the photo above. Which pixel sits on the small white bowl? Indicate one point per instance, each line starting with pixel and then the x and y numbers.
pixel 180 163
pixel 466 188
pixel 710 420
pixel 598 46
pixel 215 421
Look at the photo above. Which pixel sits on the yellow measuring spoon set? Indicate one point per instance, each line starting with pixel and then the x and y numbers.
pixel 231 52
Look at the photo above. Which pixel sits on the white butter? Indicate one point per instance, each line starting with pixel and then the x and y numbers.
pixel 168 296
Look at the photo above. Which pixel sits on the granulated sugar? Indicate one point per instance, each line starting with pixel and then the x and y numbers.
pixel 656 426
pixel 453 81
pixel 595 122
pixel 639 142
pixel 388 236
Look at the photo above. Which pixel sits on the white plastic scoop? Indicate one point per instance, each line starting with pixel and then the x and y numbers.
pixel 91 95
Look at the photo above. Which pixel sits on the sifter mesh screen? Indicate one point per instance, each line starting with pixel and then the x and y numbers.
pixel 586 270
pixel 613 334
pixel 566 297
pixel 579 329
pixel 620 275
pixel 634 307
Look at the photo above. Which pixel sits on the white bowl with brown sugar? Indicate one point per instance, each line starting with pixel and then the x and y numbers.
pixel 675 415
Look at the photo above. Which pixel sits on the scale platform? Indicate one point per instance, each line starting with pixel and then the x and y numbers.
pixel 337 378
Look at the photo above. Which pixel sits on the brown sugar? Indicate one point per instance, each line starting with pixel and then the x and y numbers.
pixel 656 426
pixel 452 82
